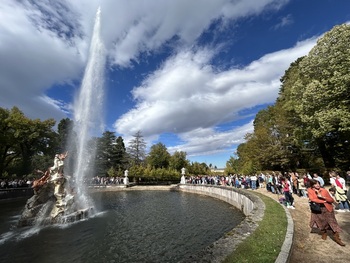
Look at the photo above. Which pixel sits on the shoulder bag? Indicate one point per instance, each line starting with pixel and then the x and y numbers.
pixel 315 207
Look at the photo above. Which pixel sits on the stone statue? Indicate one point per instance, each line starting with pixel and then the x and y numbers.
pixel 126 179
pixel 183 178
pixel 59 181
pixel 53 201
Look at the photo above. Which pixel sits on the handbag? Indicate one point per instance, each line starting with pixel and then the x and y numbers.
pixel 340 194
pixel 315 207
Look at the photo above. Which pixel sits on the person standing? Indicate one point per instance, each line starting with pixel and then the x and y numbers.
pixel 326 218
pixel 288 193
pixel 301 186
pixel 340 193
pixel 319 178
pixel 253 179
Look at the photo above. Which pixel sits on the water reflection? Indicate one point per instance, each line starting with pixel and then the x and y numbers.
pixel 135 226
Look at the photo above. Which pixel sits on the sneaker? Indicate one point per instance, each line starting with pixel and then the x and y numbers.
pixel 292 207
pixel 341 210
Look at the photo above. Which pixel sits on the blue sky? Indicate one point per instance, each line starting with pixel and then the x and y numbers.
pixel 189 74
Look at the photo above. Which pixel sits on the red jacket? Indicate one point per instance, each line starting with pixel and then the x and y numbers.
pixel 328 201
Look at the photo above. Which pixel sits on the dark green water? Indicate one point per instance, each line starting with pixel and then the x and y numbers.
pixel 133 226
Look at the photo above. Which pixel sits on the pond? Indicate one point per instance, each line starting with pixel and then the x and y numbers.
pixel 131 226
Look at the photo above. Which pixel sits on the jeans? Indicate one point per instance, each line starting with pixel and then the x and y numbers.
pixel 289 198
pixel 253 185
pixel 343 205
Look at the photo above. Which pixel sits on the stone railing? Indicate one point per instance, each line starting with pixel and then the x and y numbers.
pixel 236 197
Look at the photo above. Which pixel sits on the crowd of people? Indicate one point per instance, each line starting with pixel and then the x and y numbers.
pixel 15 183
pixel 104 180
pixel 238 181
pixel 326 198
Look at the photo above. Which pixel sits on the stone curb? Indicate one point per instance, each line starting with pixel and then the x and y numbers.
pixel 286 249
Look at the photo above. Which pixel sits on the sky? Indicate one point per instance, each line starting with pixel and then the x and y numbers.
pixel 189 74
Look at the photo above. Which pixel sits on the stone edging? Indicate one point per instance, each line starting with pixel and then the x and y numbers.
pixel 251 205
pixel 286 249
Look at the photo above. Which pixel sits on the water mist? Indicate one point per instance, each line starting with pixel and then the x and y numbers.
pixel 88 108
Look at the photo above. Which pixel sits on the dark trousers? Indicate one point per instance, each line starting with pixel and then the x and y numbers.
pixel 289 198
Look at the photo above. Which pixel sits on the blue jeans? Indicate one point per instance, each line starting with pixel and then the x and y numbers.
pixel 343 205
pixel 289 198
pixel 253 185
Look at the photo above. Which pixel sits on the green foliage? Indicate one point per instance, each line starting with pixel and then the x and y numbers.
pixel 197 168
pixel 311 117
pixel 137 149
pixel 158 156
pixel 22 139
pixel 178 161
pixel 110 153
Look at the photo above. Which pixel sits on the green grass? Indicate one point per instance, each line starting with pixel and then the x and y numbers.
pixel 265 243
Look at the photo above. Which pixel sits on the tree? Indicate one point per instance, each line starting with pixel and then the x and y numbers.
pixel 23 138
pixel 178 161
pixel 111 153
pixel 137 149
pixel 119 158
pixel 232 166
pixel 65 130
pixel 197 168
pixel 323 89
pixel 158 156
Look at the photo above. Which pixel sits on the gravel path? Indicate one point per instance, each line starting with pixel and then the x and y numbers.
pixel 308 245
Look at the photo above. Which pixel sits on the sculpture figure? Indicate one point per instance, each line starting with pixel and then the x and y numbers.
pixel 126 179
pixel 51 198
pixel 183 178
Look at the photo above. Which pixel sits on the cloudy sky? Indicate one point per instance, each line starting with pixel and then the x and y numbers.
pixel 189 74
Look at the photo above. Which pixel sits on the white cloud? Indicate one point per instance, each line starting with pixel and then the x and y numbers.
pixel 209 141
pixel 33 58
pixel 46 43
pixel 284 21
pixel 142 26
pixel 187 96
pixel 43 43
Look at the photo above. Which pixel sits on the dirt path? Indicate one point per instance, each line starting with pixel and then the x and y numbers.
pixel 308 246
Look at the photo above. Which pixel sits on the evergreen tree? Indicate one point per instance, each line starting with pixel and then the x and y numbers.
pixel 137 149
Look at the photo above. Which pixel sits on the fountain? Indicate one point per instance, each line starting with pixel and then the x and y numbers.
pixel 53 200
pixel 59 198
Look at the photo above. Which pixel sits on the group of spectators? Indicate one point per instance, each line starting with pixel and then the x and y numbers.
pixel 330 198
pixel 15 183
pixel 298 184
pixel 235 180
pixel 103 180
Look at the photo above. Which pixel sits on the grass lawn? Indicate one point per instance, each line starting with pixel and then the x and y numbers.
pixel 265 243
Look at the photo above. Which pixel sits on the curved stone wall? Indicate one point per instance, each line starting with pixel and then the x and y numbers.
pixel 252 206
pixel 239 199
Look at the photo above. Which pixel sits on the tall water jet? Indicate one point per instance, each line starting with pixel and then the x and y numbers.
pixel 88 109
pixel 59 198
